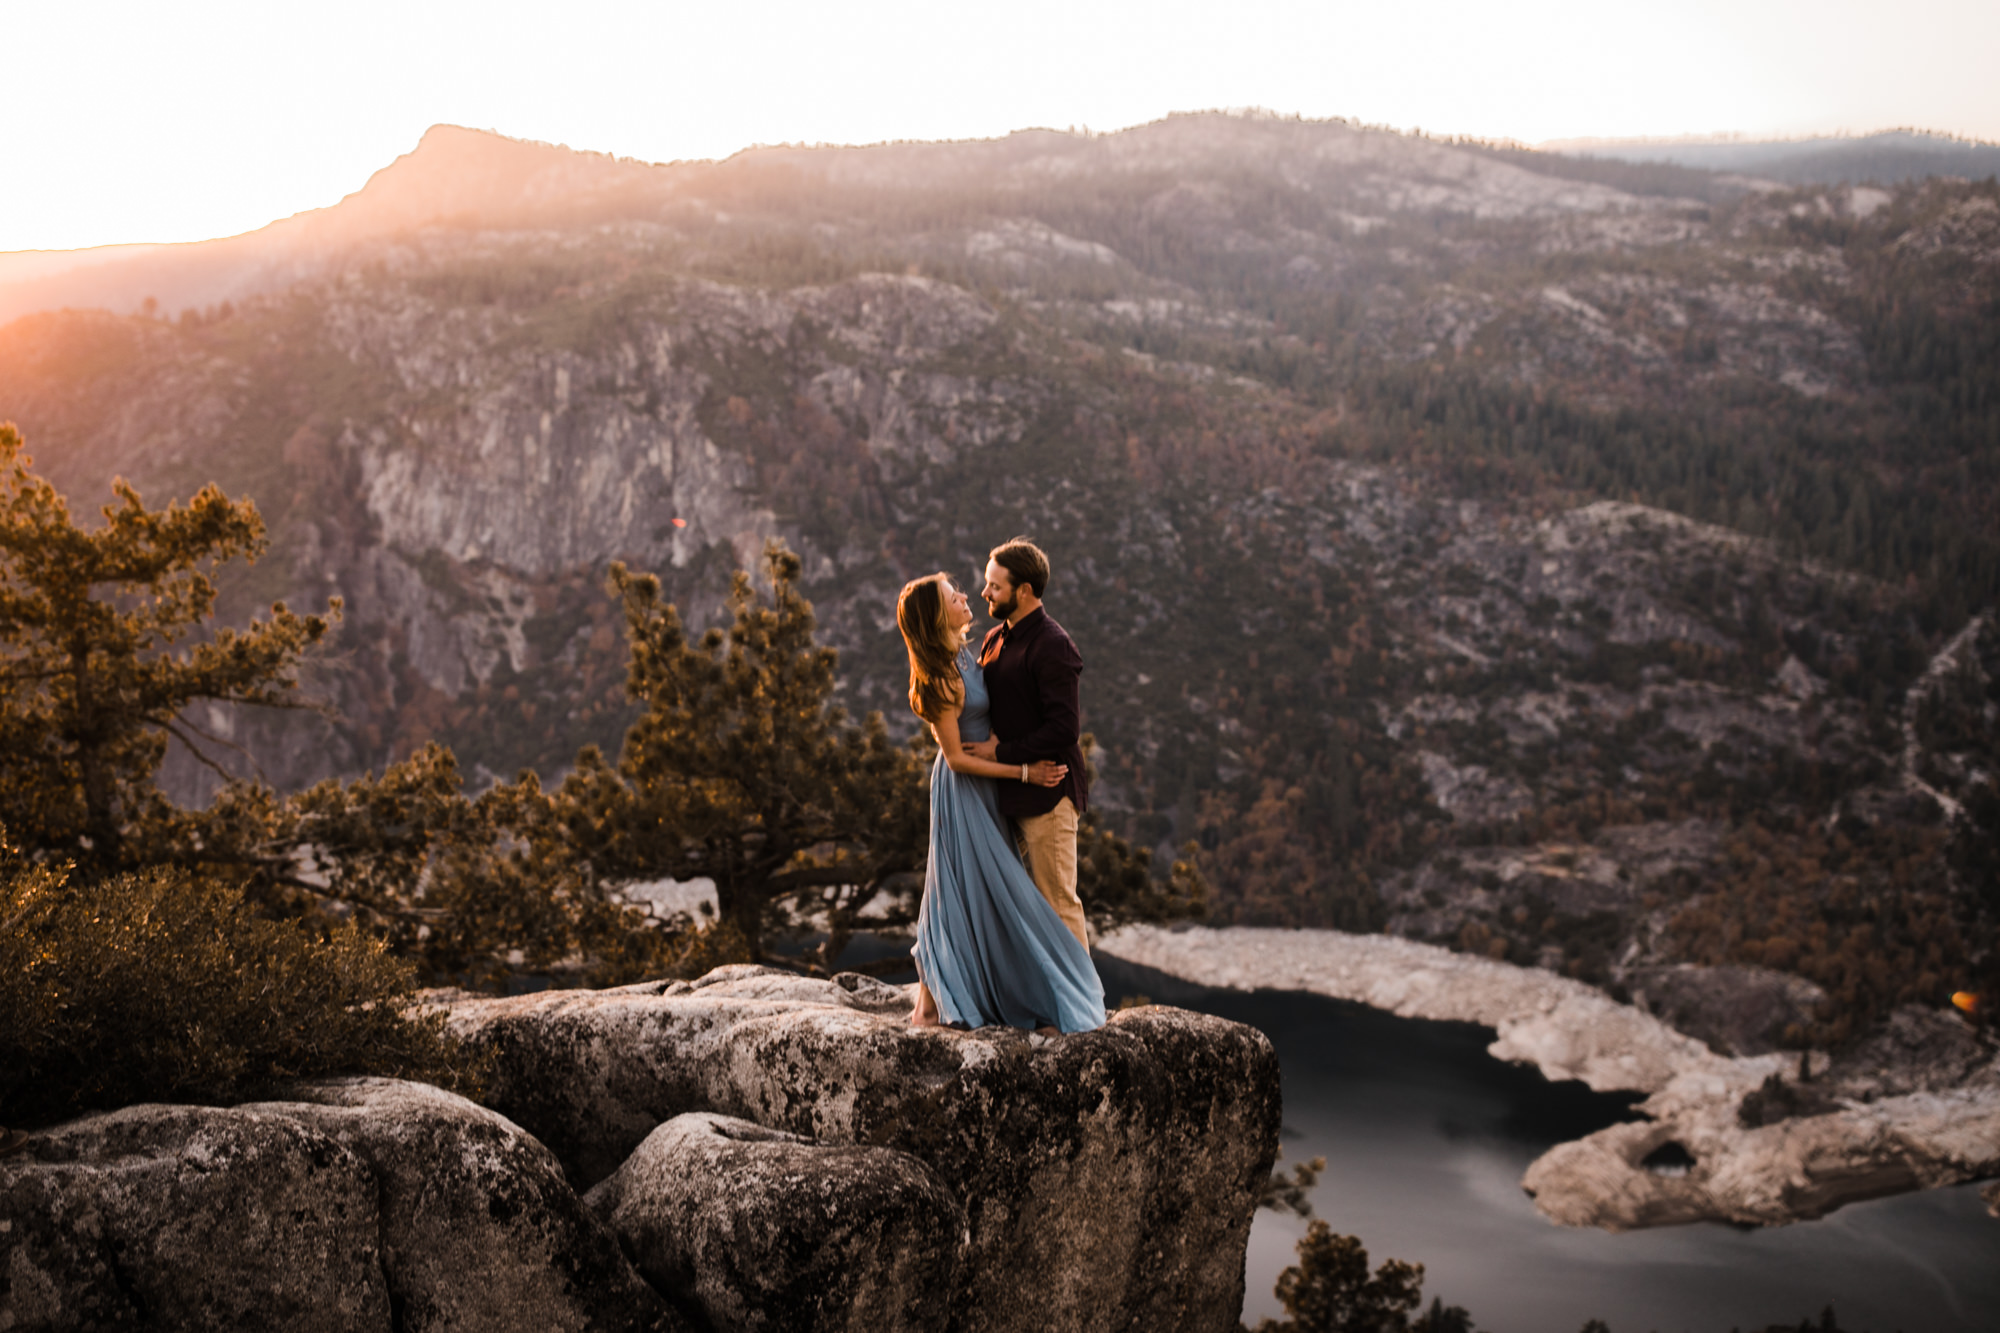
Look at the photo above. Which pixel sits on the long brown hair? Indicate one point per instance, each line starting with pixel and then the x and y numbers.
pixel 935 684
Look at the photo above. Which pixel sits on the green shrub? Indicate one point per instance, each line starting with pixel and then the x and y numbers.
pixel 162 986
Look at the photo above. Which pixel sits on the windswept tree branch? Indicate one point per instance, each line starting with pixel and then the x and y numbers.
pixel 196 751
pixel 226 743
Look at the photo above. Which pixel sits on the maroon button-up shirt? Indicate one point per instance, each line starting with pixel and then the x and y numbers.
pixel 1033 672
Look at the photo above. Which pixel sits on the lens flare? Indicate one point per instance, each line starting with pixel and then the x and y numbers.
pixel 1967 1001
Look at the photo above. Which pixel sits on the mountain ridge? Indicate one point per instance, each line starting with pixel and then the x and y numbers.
pixel 454 176
pixel 1884 157
pixel 1510 560
pixel 466 178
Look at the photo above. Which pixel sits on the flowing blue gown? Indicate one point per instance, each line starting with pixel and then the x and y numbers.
pixel 989 946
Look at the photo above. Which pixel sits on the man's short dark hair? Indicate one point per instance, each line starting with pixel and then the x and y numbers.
pixel 1024 563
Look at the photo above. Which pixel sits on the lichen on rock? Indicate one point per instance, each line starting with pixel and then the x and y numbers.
pixel 479 1228
pixel 189 1217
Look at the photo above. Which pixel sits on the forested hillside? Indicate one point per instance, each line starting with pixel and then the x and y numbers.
pixel 1585 563
pixel 1889 157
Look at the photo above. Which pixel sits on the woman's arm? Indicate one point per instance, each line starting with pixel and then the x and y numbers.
pixel 1044 773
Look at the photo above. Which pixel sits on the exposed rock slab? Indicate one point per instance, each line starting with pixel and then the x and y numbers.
pixel 1917 1050
pixel 770 1231
pixel 1567 1029
pixel 1764 1175
pixel 189 1217
pixel 1108 1178
pixel 374 1204
pixel 1787 1172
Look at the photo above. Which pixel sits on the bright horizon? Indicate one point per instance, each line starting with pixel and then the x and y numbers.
pixel 131 124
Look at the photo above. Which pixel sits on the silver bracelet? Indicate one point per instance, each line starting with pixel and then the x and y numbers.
pixel 1024 772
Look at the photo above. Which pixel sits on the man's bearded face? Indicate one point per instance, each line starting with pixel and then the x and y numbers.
pixel 1002 600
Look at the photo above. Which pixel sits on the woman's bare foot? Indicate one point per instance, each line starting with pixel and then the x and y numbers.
pixel 925 1015
pixel 1046 1031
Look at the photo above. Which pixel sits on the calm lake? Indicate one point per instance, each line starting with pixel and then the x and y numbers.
pixel 1426 1136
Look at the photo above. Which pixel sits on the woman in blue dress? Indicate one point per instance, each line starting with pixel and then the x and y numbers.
pixel 989 947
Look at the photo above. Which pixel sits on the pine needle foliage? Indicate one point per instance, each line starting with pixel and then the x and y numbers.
pixel 1118 886
pixel 94 676
pixel 161 985
pixel 475 892
pixel 745 771
pixel 1330 1289
pixel 105 642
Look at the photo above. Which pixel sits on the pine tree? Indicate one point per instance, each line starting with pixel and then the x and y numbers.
pixel 95 676
pixel 1331 1291
pixel 99 661
pixel 744 771
pixel 1442 1318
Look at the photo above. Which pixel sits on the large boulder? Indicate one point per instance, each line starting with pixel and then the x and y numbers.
pixel 1108 1178
pixel 480 1229
pixel 366 1204
pixel 770 1232
pixel 189 1217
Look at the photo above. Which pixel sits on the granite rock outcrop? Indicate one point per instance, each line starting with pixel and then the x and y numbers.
pixel 767 1152
pixel 479 1229
pixel 194 1218
pixel 765 1230
pixel 1108 1178
pixel 365 1204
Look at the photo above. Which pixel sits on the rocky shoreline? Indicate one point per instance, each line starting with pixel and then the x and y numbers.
pixel 1833 1140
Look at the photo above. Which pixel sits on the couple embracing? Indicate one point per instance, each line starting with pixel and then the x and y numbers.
pixel 1001 935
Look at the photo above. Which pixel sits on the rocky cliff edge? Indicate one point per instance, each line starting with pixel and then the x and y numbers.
pixel 759 1150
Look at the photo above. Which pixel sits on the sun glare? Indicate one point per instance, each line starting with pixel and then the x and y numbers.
pixel 131 123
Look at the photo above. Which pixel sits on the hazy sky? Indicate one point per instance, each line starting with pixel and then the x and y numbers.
pixel 124 121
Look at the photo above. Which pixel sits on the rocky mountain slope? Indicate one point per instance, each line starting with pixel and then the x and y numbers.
pixel 1575 570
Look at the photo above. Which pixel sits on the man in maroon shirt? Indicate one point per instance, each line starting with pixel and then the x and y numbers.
pixel 1032 674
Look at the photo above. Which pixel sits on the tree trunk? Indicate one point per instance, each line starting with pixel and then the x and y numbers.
pixel 743 907
pixel 100 821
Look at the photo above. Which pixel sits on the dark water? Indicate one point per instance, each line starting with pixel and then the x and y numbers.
pixel 1426 1136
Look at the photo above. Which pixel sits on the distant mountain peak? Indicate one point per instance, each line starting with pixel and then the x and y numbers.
pixel 456 174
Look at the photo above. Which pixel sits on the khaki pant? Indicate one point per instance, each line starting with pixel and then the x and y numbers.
pixel 1048 842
